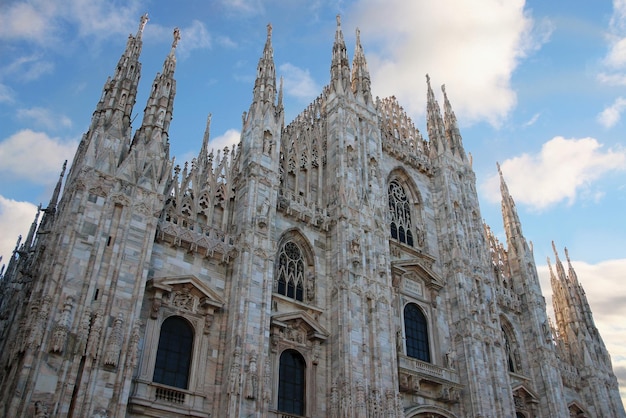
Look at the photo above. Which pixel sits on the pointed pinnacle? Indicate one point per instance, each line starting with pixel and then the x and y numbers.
pixel 142 23
pixel 176 39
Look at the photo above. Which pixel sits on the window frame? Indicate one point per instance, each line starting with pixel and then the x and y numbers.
pixel 162 349
pixel 301 385
pixel 422 345
pixel 294 271
pixel 401 212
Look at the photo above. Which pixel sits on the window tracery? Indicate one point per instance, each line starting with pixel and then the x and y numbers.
pixel 291 278
pixel 400 213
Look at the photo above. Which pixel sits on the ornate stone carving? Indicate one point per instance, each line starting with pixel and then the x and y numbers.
pixel 83 332
pixel 235 369
pixel 133 346
pixel 114 346
pixel 252 377
pixel 94 335
pixel 59 334
pixel 41 410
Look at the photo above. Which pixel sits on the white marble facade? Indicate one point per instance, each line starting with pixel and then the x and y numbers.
pixel 337 266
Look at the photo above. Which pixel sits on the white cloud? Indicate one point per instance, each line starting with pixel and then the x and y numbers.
pixel 560 171
pixel 229 139
pixel 15 219
pixel 193 37
pixel 244 6
pixel 27 68
pixel 45 118
pixel 44 22
pixel 615 60
pixel 472 47
pixel 612 114
pixel 7 95
pixel 41 167
pixel 532 120
pixel 28 21
pixel 298 82
pixel 606 293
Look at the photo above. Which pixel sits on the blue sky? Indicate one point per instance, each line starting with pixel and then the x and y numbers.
pixel 539 87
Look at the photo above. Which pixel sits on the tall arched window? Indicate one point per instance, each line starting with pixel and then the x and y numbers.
pixel 290 276
pixel 510 349
pixel 291 378
pixel 174 353
pixel 416 331
pixel 400 213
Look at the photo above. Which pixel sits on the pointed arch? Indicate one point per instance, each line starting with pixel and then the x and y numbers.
pixel 294 270
pixel 405 208
pixel 511 346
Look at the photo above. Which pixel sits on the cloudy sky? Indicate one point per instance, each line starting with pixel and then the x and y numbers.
pixel 539 87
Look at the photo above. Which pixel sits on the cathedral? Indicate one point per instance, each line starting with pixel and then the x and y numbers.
pixel 334 266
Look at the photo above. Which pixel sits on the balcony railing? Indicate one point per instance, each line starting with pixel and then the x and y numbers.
pixel 169 395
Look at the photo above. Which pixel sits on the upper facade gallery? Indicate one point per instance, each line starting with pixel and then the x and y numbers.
pixel 336 266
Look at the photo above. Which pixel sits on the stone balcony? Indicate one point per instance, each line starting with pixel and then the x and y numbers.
pixel 428 371
pixel 428 380
pixel 154 399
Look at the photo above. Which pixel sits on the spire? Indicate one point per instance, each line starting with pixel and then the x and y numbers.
pixel 453 135
pixel 434 123
pixel 340 67
pixel 158 112
pixel 571 272
pixel 560 271
pixel 54 199
pixel 50 211
pixel 265 84
pixel 361 84
pixel 148 160
pixel 203 156
pixel 512 225
pixel 120 91
pixel 280 94
pixel 33 227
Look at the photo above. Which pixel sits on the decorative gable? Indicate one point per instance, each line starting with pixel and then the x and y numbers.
pixel 184 295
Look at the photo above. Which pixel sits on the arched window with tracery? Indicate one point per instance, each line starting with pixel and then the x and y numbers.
pixel 511 351
pixel 400 213
pixel 291 278
pixel 291 383
pixel 416 333
pixel 173 359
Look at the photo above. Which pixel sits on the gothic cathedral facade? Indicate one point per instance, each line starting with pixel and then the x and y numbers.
pixel 336 266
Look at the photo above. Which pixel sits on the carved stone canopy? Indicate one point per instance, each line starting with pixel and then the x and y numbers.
pixel 576 410
pixel 303 320
pixel 187 293
pixel 524 398
pixel 417 267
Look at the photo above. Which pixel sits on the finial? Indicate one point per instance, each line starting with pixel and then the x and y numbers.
pixel 176 38
pixel 567 255
pixel 269 30
pixel 358 36
pixel 549 266
pixel 338 20
pixel 556 253
pixel 428 79
pixel 142 23
pixel 443 89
